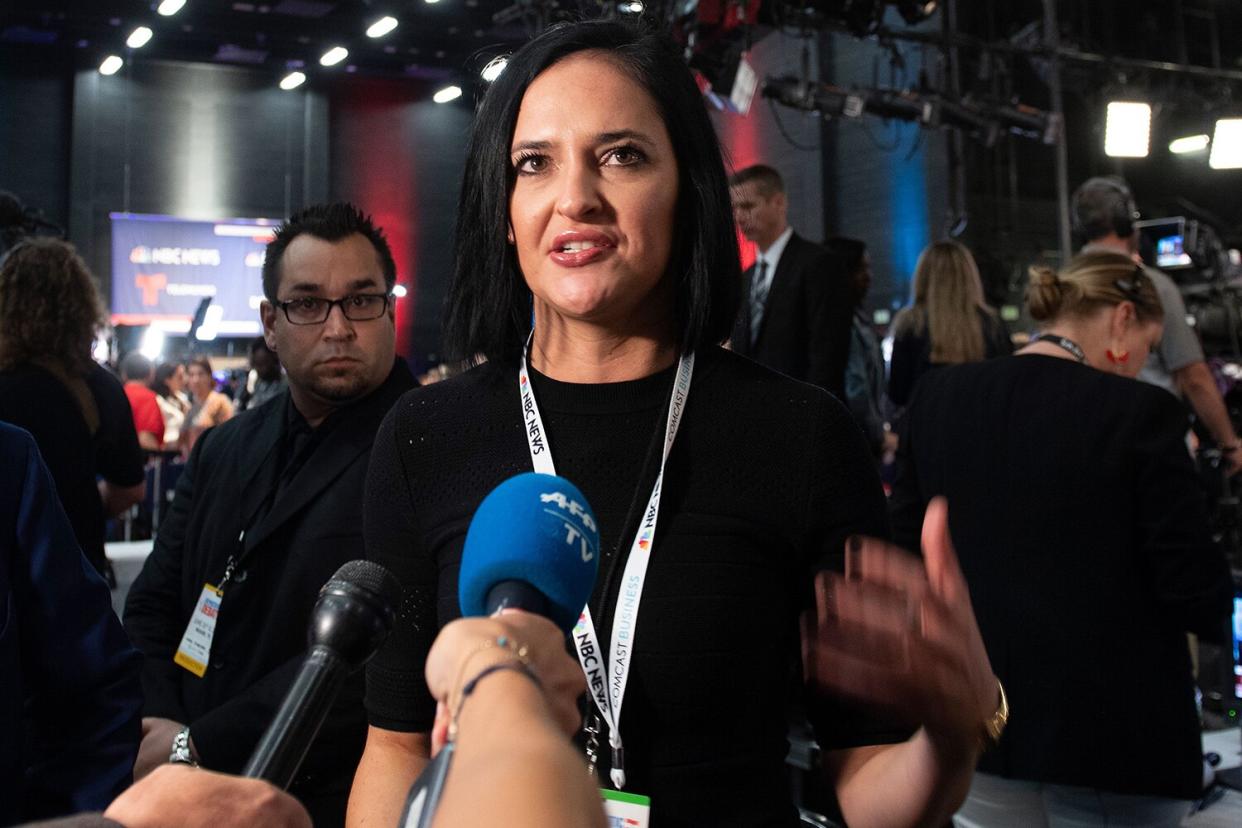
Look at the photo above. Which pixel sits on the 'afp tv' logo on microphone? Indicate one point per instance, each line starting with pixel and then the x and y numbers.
pixel 580 528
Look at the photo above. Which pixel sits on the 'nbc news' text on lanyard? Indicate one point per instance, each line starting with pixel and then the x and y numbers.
pixel 607 680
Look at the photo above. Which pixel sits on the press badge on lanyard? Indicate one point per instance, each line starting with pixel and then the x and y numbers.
pixel 195 648
pixel 194 651
pixel 606 679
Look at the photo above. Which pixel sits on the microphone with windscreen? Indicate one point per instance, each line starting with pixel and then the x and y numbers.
pixel 533 545
pixel 351 620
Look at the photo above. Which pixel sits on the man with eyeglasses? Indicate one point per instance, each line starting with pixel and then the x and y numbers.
pixel 1104 213
pixel 268 507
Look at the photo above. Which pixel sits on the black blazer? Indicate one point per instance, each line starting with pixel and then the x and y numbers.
pixel 805 331
pixel 1083 534
pixel 912 354
pixel 313 527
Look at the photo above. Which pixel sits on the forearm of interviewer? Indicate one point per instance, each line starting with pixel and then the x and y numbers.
pixel 514 765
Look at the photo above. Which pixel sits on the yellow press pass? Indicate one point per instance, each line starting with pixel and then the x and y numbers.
pixel 195 649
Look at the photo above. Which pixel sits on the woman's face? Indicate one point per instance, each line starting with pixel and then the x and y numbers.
pixel 176 380
pixel 595 191
pixel 200 381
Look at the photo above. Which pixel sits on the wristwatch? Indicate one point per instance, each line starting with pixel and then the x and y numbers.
pixel 181 753
pixel 995 726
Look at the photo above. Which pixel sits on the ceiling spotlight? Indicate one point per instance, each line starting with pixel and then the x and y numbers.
pixel 448 93
pixel 399 291
pixel 334 56
pixel 431 2
pixel 382 27
pixel 1127 130
pixel 139 37
pixel 170 7
pixel 631 7
pixel 493 69
pixel 111 65
pixel 1190 143
pixel 292 80
pixel 1227 145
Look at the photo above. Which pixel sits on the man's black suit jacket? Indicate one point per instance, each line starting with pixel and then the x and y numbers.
pixel 313 527
pixel 805 331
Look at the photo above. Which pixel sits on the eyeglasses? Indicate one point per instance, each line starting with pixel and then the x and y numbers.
pixel 312 310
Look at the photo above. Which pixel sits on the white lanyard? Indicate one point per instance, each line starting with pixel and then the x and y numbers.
pixel 607 687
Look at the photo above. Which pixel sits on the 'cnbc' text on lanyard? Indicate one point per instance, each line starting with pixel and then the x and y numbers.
pixel 606 681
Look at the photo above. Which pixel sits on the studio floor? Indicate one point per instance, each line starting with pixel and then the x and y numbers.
pixel 1225 812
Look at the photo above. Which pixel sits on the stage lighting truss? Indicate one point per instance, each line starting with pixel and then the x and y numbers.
pixel 985 121
pixel 861 17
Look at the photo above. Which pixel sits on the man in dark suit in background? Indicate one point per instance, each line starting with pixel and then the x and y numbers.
pixel 268 507
pixel 797 307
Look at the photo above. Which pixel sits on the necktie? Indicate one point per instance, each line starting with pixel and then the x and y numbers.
pixel 758 295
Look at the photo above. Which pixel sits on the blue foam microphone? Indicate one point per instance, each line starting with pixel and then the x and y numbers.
pixel 533 544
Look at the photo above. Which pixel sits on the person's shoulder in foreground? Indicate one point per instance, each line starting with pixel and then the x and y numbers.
pixel 70 698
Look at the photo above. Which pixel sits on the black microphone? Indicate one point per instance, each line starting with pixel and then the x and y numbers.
pixel 352 618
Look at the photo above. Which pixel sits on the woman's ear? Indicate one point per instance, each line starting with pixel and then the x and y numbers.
pixel 1124 317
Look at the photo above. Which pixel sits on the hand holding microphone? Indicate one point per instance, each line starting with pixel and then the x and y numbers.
pixel 467 647
pixel 533 545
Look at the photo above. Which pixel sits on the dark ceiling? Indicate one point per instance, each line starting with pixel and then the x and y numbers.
pixel 432 39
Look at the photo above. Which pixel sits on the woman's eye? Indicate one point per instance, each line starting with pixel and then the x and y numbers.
pixel 531 164
pixel 624 156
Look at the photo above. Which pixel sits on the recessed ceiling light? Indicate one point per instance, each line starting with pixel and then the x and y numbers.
pixel 139 37
pixel 293 80
pixel 382 27
pixel 170 7
pixel 111 65
pixel 334 56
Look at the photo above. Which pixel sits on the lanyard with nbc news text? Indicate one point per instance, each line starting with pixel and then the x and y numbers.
pixel 607 681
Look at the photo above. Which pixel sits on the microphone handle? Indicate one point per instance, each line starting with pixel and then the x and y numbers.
pixel 283 747
pixel 517 595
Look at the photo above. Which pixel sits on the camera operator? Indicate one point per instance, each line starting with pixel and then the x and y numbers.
pixel 1104 215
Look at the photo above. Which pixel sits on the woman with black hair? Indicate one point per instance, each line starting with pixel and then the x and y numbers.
pixel 595 206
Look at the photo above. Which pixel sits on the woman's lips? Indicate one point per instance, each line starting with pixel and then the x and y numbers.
pixel 578 258
pixel 575 248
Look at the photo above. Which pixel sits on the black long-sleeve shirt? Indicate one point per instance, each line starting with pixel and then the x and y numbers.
pixel 767 479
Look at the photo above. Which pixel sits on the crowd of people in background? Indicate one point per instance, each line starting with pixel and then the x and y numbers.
pixel 938 692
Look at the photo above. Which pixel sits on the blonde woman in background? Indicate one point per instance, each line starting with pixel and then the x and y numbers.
pixel 948 322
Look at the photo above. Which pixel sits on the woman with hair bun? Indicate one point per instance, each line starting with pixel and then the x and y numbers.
pixel 1082 532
